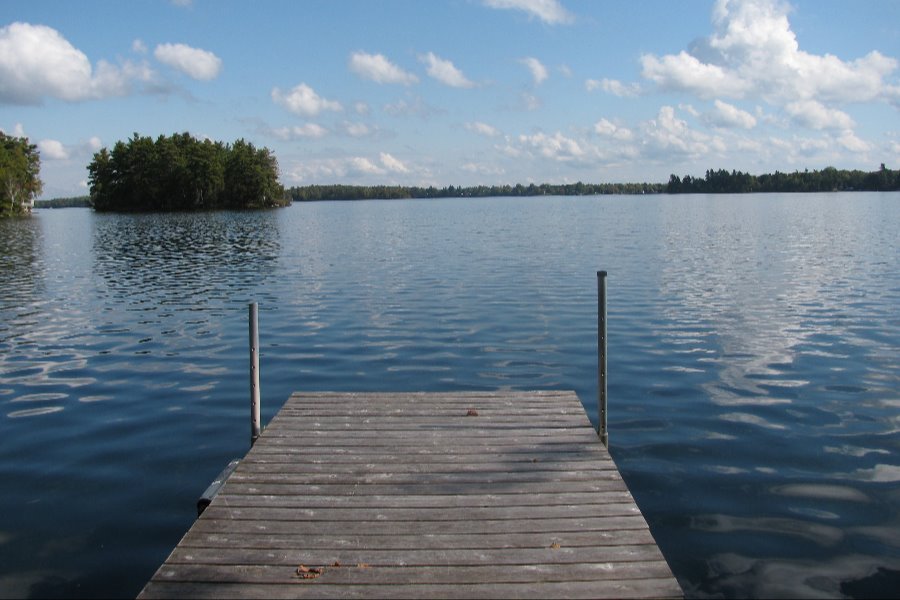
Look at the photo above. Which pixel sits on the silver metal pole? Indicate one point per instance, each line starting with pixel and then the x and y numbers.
pixel 254 373
pixel 601 358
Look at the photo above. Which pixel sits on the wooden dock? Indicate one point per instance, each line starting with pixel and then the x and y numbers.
pixel 421 495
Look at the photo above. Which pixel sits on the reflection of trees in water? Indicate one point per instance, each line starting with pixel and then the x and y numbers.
pixel 21 268
pixel 185 258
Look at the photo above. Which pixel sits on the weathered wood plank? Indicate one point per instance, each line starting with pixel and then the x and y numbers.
pixel 552 590
pixel 231 537
pixel 488 527
pixel 446 495
pixel 353 574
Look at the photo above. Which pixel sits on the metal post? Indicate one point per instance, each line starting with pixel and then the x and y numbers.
pixel 254 373
pixel 601 358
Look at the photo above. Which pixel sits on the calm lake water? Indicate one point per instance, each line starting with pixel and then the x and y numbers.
pixel 754 368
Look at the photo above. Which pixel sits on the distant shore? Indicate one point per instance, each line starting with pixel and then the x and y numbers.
pixel 714 182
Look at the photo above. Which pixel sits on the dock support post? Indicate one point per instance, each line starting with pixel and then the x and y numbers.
pixel 254 373
pixel 601 358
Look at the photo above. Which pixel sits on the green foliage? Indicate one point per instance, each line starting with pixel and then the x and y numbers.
pixel 71 202
pixel 183 173
pixel 20 182
pixel 826 180
pixel 367 192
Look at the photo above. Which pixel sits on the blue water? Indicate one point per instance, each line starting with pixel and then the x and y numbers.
pixel 754 367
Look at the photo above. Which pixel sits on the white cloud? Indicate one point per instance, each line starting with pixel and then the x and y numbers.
pixel 445 71
pixel 357 129
pixel 538 70
pixel 667 135
pixel 37 62
pixel 608 129
pixel 683 72
pixel 198 64
pixel 352 167
pixel 727 115
pixel 139 46
pixel 556 147
pixel 548 11
pixel 614 87
pixel 754 52
pixel 815 115
pixel 361 108
pixel 361 164
pixel 482 129
pixel 392 164
pixel 52 150
pixel 303 100
pixel 482 169
pixel 379 69
pixel 851 142
pixel 308 130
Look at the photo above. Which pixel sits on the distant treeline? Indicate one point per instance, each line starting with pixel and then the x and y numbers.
pixel 386 192
pixel 183 173
pixel 826 180
pixel 73 202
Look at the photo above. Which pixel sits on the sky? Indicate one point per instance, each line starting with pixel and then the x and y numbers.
pixel 461 92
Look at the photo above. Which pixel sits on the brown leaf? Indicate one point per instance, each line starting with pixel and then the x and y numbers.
pixel 555 546
pixel 304 572
pixel 362 566
pixel 336 563
pixel 472 413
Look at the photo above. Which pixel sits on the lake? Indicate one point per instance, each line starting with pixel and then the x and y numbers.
pixel 754 365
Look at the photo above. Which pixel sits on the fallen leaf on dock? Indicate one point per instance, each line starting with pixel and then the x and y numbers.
pixel 362 566
pixel 472 413
pixel 304 572
pixel 555 546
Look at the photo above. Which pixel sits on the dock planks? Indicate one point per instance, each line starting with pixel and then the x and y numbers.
pixel 422 495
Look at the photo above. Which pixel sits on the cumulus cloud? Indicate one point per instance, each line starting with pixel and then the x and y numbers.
pixel 548 11
pixel 815 115
pixel 198 64
pixel 445 71
pixel 308 130
pixel 668 135
pixel 538 70
pixel 52 150
pixel 392 164
pixel 482 129
pixel 754 52
pixel 379 69
pixel 556 147
pixel 303 100
pixel 357 129
pixel 727 116
pixel 614 87
pixel 352 167
pixel 608 129
pixel 37 62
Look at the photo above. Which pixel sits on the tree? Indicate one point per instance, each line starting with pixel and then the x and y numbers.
pixel 20 183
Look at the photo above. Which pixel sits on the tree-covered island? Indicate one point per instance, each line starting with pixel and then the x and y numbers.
pixel 180 172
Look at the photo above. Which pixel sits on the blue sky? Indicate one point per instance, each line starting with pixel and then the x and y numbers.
pixel 461 92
